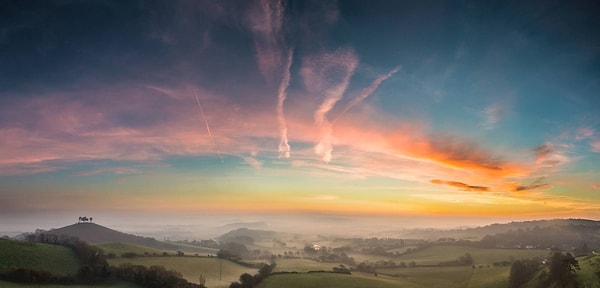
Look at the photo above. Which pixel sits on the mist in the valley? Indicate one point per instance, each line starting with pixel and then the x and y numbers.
pixel 207 226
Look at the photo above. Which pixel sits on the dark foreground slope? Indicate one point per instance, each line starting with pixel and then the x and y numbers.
pixel 57 260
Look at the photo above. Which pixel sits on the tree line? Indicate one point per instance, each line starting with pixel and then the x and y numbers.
pixel 249 281
pixel 557 271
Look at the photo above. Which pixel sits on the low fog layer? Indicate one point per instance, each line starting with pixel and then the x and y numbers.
pixel 198 226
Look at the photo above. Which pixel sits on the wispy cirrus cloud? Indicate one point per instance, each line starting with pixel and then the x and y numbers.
pixel 266 23
pixel 492 115
pixel 328 74
pixel 284 146
pixel 274 58
pixel 366 92
pixel 156 126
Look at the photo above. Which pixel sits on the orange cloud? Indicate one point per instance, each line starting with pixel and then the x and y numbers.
pixel 461 185
pixel 455 153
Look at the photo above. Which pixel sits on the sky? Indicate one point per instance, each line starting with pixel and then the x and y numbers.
pixel 433 109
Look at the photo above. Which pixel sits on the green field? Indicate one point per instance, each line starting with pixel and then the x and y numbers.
pixel 586 276
pixel 303 265
pixel 119 248
pixel 5 284
pixel 55 259
pixel 218 272
pixel 455 276
pixel 191 249
pixel 460 276
pixel 481 256
pixel 311 280
pixel 441 277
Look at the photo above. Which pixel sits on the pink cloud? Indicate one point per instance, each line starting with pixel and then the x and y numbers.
pixel 274 58
pixel 329 75
pixel 113 170
pixel 492 115
pixel 595 145
pixel 142 124
pixel 584 133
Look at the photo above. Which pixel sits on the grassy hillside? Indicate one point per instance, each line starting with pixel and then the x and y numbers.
pixel 462 276
pixel 5 284
pixel 57 260
pixel 586 276
pixel 481 256
pixel 302 265
pixel 192 267
pixel 94 233
pixel 457 276
pixel 332 280
pixel 191 249
pixel 442 277
pixel 119 248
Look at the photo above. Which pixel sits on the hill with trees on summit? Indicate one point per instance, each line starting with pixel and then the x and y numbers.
pixel 94 233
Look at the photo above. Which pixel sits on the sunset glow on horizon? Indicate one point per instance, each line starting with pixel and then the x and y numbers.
pixel 363 108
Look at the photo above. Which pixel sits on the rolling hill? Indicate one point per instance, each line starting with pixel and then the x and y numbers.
pixel 555 232
pixel 94 233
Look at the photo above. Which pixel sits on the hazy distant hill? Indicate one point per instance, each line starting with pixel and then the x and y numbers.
pixel 249 225
pixel 245 235
pixel 94 233
pixel 537 224
pixel 538 233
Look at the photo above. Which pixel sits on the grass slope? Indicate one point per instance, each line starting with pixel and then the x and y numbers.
pixel 430 277
pixel 5 284
pixel 57 260
pixel 192 267
pixel 587 275
pixel 94 233
pixel 303 265
pixel 119 248
pixel 191 249
pixel 481 256
pixel 461 276
pixel 332 280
